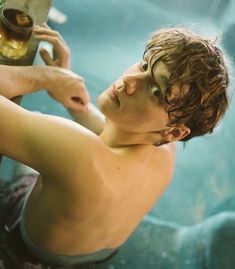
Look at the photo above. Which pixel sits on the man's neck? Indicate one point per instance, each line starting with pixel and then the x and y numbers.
pixel 113 136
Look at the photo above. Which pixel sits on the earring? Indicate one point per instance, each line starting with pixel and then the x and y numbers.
pixel 176 132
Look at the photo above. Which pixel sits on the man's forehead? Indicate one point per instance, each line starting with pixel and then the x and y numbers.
pixel 159 69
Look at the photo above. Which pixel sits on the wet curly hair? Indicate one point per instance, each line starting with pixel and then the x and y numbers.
pixel 199 64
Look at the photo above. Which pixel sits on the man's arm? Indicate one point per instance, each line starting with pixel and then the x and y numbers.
pixel 17 80
pixel 63 85
pixel 42 141
pixel 92 118
pixel 54 146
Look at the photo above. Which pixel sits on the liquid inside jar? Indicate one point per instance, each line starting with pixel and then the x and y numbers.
pixel 15 32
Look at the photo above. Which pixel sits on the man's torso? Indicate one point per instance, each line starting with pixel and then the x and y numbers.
pixel 118 188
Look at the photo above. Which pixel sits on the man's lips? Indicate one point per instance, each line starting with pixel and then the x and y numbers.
pixel 114 95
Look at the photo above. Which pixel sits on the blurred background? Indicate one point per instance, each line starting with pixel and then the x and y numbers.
pixel 105 37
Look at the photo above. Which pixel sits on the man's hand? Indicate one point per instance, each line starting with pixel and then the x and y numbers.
pixel 69 89
pixel 61 51
pixel 72 92
pixel 74 98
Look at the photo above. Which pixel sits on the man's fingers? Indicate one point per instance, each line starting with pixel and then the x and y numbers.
pixel 80 100
pixel 61 51
pixel 58 44
pixel 46 31
pixel 46 57
pixel 77 105
pixel 46 25
pixel 51 39
pixel 77 99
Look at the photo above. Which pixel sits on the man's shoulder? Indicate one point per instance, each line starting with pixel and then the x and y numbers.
pixel 165 160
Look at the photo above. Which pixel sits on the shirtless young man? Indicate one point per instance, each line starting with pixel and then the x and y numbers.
pixel 96 185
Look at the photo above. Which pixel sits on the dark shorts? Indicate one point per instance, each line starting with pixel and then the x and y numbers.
pixel 14 253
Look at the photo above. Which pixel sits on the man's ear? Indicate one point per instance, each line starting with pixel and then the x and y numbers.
pixel 176 133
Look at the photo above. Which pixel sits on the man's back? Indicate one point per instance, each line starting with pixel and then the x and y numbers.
pixel 102 200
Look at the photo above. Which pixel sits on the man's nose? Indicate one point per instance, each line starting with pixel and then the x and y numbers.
pixel 131 83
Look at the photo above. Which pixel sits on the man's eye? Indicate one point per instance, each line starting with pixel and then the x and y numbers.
pixel 157 92
pixel 145 65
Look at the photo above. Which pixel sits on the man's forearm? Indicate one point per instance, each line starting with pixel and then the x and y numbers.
pixel 63 85
pixel 20 80
pixel 92 119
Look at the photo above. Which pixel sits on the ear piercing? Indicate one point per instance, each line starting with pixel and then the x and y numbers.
pixel 176 132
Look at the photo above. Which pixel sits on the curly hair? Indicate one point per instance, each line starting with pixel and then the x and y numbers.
pixel 199 64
